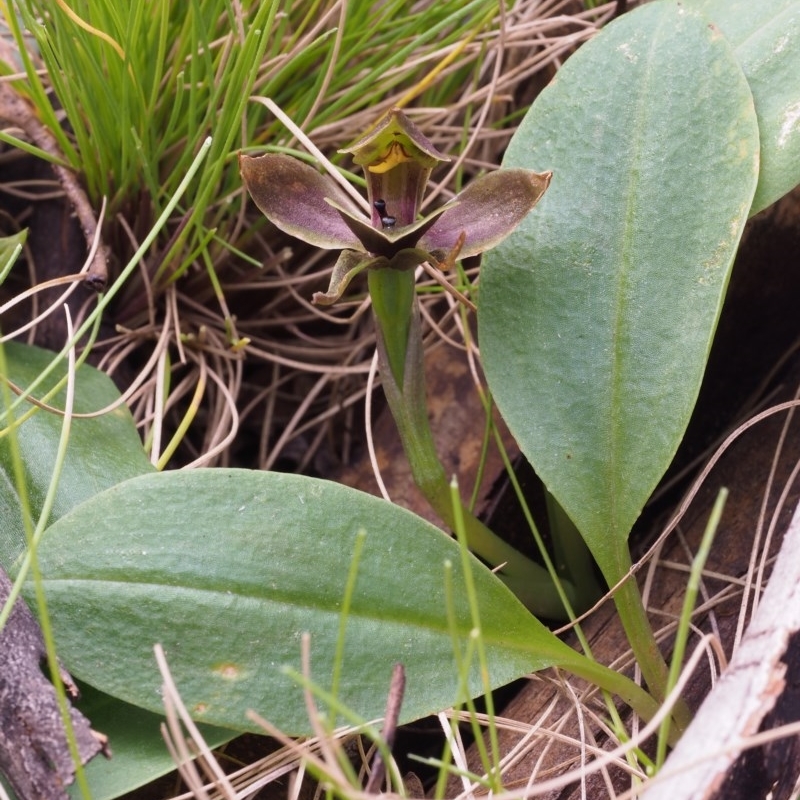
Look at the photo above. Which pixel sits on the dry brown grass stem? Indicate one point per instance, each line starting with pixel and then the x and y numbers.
pixel 178 718
pixel 538 785
pixel 71 281
pixel 373 458
pixel 759 551
pixel 21 189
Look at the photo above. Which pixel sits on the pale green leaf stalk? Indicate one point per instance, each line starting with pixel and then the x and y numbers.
pixel 532 584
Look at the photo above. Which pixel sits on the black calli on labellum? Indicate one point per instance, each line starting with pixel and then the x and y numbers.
pixel 387 221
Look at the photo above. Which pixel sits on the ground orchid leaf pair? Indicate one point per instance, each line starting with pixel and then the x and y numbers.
pixel 397 160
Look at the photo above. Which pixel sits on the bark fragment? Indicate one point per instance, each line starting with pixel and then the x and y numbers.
pixel 34 754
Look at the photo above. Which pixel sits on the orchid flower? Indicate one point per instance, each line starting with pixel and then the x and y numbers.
pixel 397 159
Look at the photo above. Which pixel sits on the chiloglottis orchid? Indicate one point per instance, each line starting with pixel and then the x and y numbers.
pixel 389 243
pixel 397 160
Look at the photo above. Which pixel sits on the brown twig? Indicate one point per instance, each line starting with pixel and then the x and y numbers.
pixel 18 112
pixel 393 703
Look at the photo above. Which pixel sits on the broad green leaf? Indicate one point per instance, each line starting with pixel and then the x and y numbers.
pixel 139 754
pixel 227 569
pixel 596 316
pixel 766 39
pixel 102 450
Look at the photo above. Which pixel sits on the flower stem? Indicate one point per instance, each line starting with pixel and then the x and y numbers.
pixel 400 358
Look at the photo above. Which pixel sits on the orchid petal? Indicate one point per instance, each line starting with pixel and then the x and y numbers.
pixel 348 265
pixel 292 194
pixel 486 211
pixel 390 241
